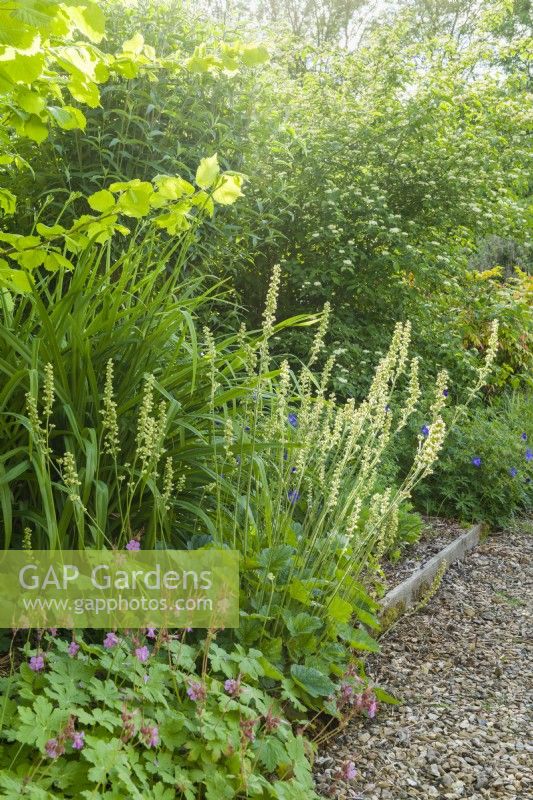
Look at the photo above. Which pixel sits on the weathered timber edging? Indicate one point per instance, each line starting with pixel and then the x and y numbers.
pixel 406 593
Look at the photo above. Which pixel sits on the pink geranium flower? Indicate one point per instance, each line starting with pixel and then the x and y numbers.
pixel 73 648
pixel 150 734
pixel 133 544
pixel 142 653
pixel 78 740
pixel 197 692
pixel 37 663
pixel 54 748
pixel 111 640
pixel 232 687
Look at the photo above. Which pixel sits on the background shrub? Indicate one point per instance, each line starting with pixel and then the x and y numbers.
pixel 500 435
pixel 410 186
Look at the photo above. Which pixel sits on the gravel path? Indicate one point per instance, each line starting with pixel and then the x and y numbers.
pixel 436 535
pixel 463 667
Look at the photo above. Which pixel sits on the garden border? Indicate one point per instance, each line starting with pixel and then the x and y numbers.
pixel 406 593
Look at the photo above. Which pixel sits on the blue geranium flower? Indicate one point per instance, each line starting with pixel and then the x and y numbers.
pixel 293 495
pixel 524 437
pixel 293 420
pixel 425 430
pixel 445 392
pixel 476 461
pixel 513 472
pixel 529 455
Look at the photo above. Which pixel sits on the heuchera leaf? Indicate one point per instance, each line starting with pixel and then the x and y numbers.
pixel 302 624
pixel 312 680
pixel 367 618
pixel 339 610
pixel 358 638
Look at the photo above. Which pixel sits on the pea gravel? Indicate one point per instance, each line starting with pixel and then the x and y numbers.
pixel 463 667
pixel 436 535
